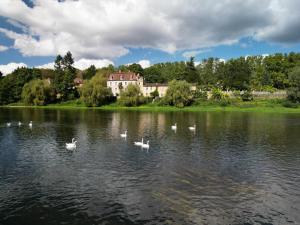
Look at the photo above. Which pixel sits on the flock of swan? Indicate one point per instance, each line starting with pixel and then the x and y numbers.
pixel 72 145
pixel 19 124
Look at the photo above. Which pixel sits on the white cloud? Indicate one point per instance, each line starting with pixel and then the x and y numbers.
pixel 3 48
pixel 189 54
pixel 82 64
pixel 86 63
pixel 109 28
pixel 10 67
pixel 144 63
pixel 46 66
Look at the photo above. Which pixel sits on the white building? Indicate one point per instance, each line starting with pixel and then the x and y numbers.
pixel 120 80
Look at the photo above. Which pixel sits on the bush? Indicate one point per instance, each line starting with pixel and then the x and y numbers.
pixel 217 94
pixel 246 96
pixel 131 96
pixel 199 95
pixel 294 91
pixel 179 94
pixel 95 93
pixel 224 102
pixel 37 92
pixel 289 104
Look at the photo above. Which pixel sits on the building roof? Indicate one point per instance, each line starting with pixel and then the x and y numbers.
pixel 130 76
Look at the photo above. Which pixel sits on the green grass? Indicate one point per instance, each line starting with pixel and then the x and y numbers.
pixel 274 106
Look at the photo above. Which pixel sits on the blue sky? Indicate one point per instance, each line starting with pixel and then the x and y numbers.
pixel 34 32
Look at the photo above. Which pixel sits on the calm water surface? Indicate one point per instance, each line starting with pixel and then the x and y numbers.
pixel 237 168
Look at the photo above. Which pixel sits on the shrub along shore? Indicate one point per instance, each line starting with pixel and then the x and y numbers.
pixel 272 106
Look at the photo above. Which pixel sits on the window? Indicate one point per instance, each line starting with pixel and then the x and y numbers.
pixel 125 83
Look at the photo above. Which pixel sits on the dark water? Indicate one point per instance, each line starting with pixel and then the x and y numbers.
pixel 237 168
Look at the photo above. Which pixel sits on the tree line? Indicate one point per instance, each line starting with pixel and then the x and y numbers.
pixel 43 86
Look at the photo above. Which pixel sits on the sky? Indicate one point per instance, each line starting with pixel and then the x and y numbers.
pixel 103 32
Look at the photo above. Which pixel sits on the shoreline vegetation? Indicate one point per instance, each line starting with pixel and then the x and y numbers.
pixel 246 84
pixel 269 106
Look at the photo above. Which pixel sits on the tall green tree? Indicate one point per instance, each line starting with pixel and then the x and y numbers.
pixel 65 74
pixel 191 74
pixel 89 72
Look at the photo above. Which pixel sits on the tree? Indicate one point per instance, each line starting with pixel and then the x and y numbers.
pixel 153 75
pixel 136 68
pixel 37 92
pixel 294 90
pixel 1 74
pixel 89 72
pixel 178 93
pixel 237 74
pixel 65 74
pixel 95 93
pixel 191 74
pixel 11 85
pixel 131 96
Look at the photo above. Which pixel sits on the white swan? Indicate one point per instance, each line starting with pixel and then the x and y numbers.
pixel 137 143
pixel 72 145
pixel 8 124
pixel 30 124
pixel 192 128
pixel 124 135
pixel 146 145
pixel 174 127
pixel 20 124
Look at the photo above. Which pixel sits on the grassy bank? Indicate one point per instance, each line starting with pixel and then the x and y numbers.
pixel 238 106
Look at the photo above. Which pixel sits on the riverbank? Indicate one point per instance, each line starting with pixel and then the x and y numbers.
pixel 253 106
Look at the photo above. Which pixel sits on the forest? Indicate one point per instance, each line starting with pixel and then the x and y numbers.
pixel 33 86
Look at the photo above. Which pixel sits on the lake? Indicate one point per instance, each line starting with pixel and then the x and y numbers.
pixel 236 168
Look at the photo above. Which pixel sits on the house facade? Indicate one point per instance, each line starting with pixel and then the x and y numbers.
pixel 120 80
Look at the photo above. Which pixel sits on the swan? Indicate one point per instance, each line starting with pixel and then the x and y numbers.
pixel 192 128
pixel 139 143
pixel 30 124
pixel 8 124
pixel 20 124
pixel 145 145
pixel 72 145
pixel 124 135
pixel 174 127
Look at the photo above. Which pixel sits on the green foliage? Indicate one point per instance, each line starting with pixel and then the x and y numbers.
pixel 65 74
pixel 89 72
pixel 237 74
pixel 136 68
pixel 131 96
pixel 37 92
pixel 199 95
pixel 153 75
pixel 11 85
pixel 191 75
pixel 294 90
pixel 217 94
pixel 179 94
pixel 95 93
pixel 154 94
pixel 289 104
